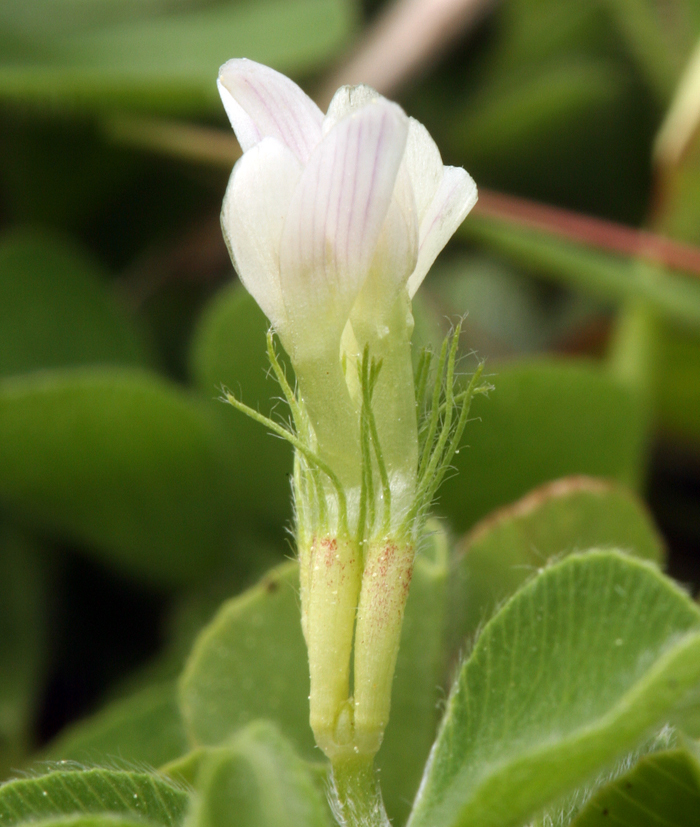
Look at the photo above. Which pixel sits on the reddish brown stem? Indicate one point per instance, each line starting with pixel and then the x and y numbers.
pixel 594 232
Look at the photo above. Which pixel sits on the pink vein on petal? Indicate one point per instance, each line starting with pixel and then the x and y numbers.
pixel 377 148
pixel 353 196
pixel 281 108
pixel 328 220
pixel 292 122
pixel 272 111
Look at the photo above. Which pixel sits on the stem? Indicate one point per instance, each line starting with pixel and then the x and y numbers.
pixel 356 798
pixel 589 232
pixel 633 352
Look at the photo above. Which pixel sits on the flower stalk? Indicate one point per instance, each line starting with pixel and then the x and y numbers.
pixel 355 795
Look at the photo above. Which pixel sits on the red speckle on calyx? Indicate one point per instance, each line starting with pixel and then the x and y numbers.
pixel 390 576
pixel 329 546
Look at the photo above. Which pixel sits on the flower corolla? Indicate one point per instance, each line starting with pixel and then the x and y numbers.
pixel 325 214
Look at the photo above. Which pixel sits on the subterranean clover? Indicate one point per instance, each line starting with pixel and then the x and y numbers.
pixel 332 223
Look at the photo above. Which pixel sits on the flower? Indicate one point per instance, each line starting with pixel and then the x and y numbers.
pixel 332 223
pixel 323 213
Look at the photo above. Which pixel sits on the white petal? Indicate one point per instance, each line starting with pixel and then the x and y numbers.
pixel 424 165
pixel 421 157
pixel 255 205
pixel 262 103
pixel 395 257
pixel 336 217
pixel 347 100
pixel 455 197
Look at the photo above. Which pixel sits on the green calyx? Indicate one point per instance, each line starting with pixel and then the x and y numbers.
pixel 443 417
pixel 369 440
pixel 311 470
pixel 380 506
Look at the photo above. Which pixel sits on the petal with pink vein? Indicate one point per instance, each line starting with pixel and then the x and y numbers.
pixel 454 198
pixel 424 165
pixel 262 103
pixel 256 202
pixel 336 216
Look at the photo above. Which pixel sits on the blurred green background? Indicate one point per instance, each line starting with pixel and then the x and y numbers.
pixel 131 500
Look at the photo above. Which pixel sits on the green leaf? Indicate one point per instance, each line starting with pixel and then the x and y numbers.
pixel 536 31
pixel 91 820
pixel 553 111
pixel 229 348
pixel 197 607
pixel 40 22
pixel 661 42
pixel 507 311
pixel 260 779
pixel 503 550
pixel 122 461
pixel 138 795
pixel 544 420
pixel 248 663
pixel 84 191
pixel 55 309
pixel 22 643
pixel 169 62
pixel 573 672
pixel 184 770
pixel 144 728
pixel 662 790
pixel 251 662
pixel 610 277
pixel 528 108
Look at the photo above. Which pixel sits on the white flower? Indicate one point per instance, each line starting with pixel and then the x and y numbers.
pixel 324 213
pixel 332 223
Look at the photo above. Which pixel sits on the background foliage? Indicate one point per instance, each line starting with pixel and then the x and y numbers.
pixel 133 503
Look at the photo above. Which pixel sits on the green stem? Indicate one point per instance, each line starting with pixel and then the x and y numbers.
pixel 633 356
pixel 356 797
